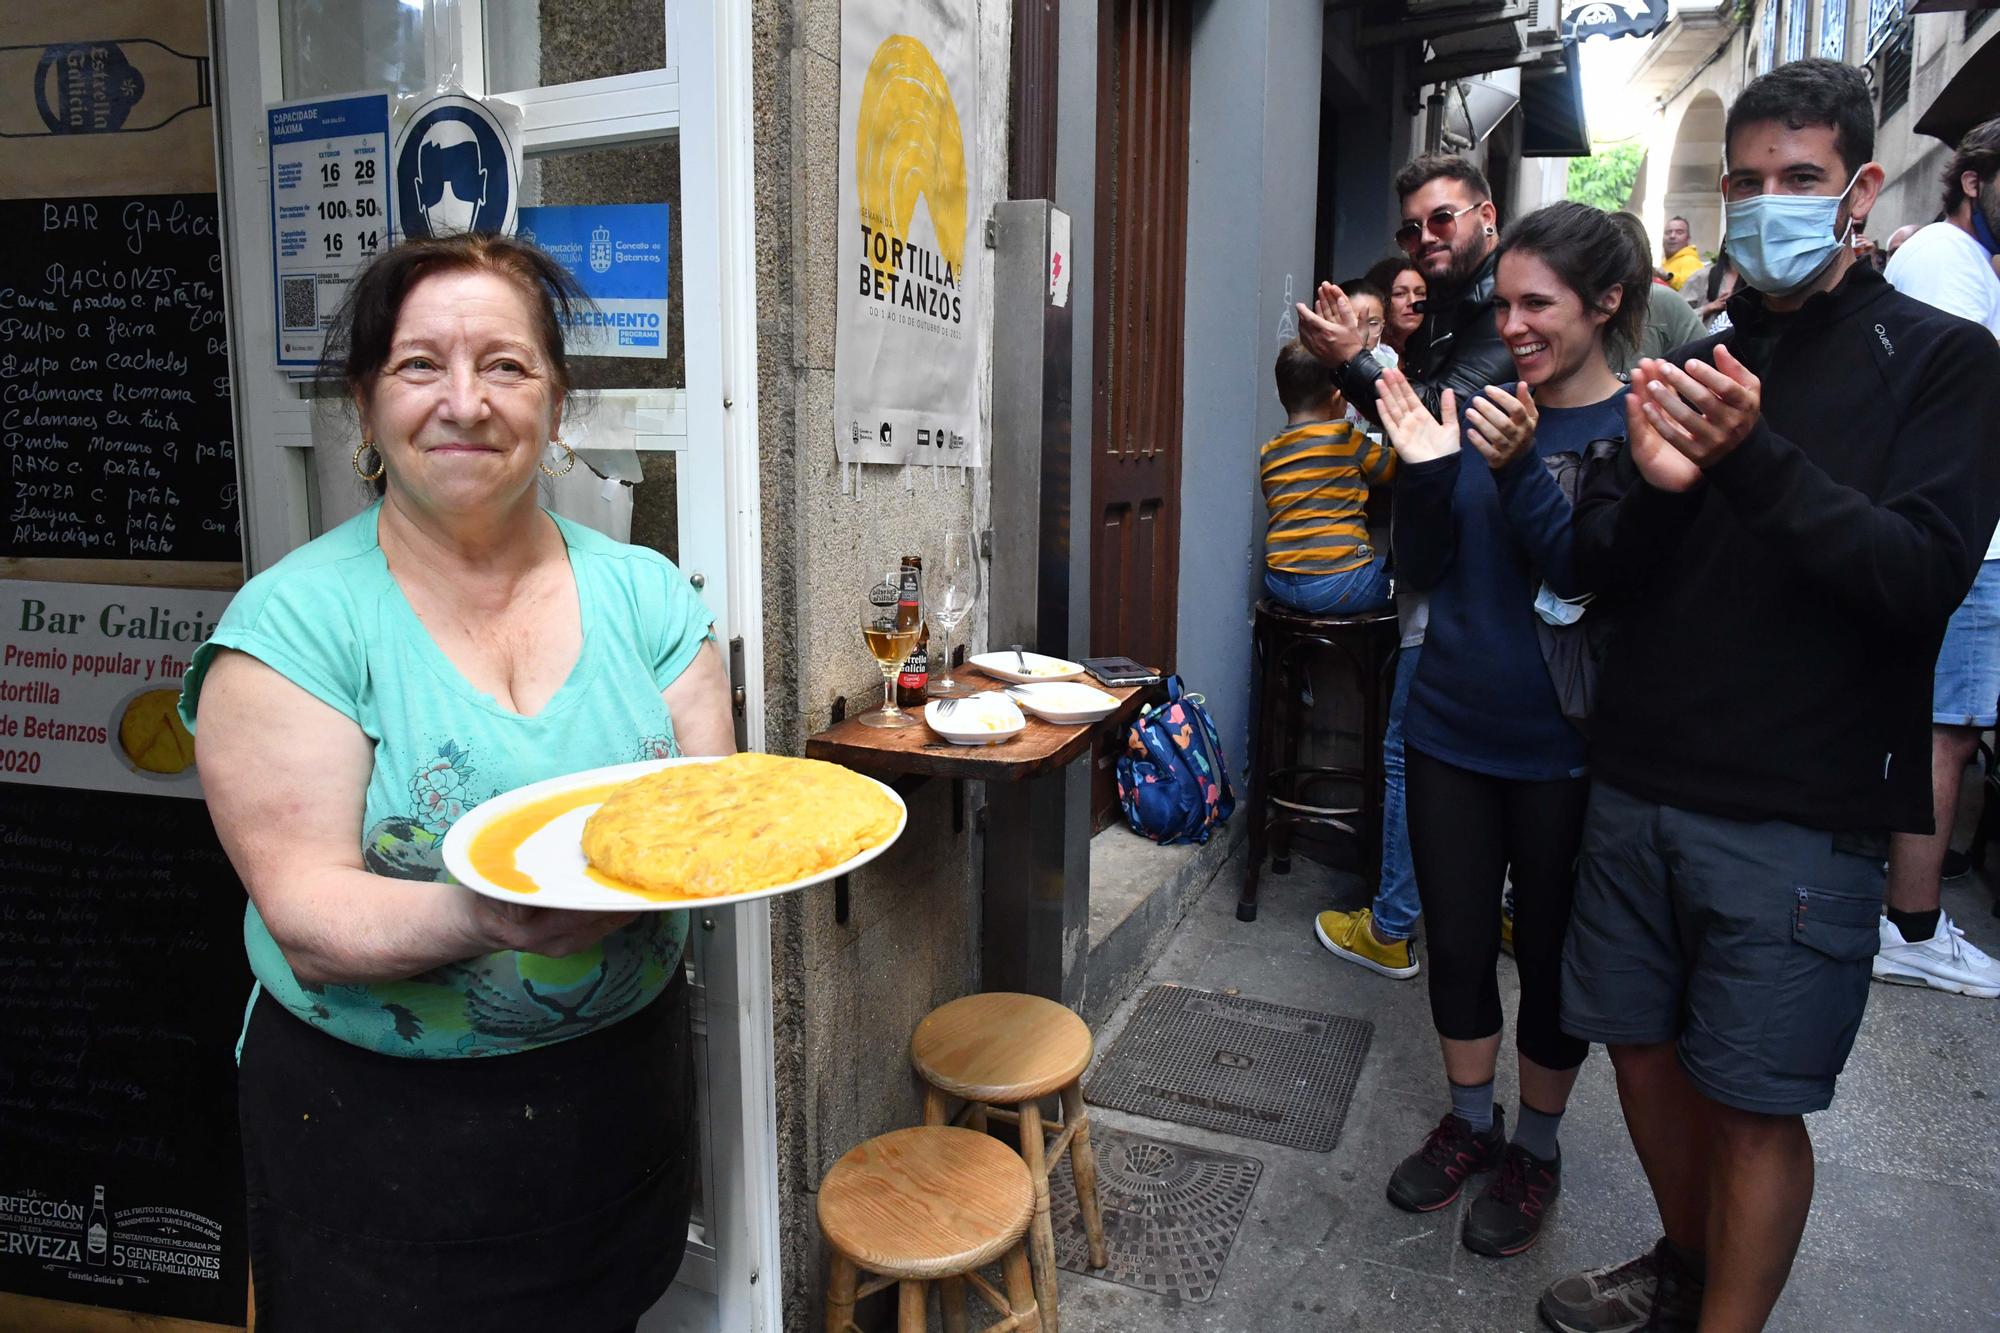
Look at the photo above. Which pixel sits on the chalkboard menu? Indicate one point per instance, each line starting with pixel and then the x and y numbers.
pixel 122 985
pixel 114 380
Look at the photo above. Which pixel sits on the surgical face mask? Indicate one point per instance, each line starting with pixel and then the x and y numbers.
pixel 1781 242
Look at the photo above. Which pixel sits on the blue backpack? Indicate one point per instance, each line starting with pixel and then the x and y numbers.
pixel 1171 780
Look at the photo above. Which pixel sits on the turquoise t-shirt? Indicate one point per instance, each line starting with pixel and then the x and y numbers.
pixel 331 619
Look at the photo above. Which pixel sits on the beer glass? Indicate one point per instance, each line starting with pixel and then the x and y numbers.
pixel 954 589
pixel 892 615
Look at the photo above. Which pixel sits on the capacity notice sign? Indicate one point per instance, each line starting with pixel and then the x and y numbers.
pixel 330 193
pixel 89 679
pixel 618 253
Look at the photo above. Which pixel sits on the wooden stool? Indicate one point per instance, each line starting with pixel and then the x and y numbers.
pixel 1001 1054
pixel 1285 793
pixel 918 1206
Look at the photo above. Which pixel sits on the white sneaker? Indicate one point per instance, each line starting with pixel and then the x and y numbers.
pixel 1947 961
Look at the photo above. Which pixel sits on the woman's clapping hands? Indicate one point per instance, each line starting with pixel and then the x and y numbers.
pixel 1417 435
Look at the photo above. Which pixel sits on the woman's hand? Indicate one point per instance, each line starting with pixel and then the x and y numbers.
pixel 550 931
pixel 1418 436
pixel 1501 425
pixel 1664 467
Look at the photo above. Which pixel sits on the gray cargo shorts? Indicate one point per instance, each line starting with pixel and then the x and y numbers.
pixel 1746 944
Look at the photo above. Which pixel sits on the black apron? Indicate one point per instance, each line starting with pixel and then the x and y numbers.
pixel 544 1189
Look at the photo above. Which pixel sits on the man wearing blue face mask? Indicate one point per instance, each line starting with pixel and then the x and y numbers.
pixel 1802 502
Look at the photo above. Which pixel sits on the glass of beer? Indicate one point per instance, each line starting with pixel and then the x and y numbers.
pixel 892 615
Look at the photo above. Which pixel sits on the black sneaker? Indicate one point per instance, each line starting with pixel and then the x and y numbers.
pixel 1506 1218
pixel 1432 1176
pixel 1654 1291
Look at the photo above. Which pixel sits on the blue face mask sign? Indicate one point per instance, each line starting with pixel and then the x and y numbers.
pixel 455 170
pixel 1781 242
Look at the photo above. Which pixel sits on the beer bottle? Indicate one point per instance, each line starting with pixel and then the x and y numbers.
pixel 97 1236
pixel 913 681
pixel 104 87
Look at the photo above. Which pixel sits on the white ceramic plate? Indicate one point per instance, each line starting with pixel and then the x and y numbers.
pixel 553 858
pixel 1067 701
pixel 1028 669
pixel 981 719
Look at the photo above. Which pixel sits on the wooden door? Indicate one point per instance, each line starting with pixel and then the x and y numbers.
pixel 1142 171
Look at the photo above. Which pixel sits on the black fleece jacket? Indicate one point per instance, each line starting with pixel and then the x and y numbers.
pixel 1457 347
pixel 1777 625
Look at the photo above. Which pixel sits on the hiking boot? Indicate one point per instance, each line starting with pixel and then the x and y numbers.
pixel 1351 935
pixel 1654 1291
pixel 1506 1218
pixel 1432 1176
pixel 1947 961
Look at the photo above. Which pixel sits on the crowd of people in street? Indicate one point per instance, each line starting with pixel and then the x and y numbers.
pixel 1699 589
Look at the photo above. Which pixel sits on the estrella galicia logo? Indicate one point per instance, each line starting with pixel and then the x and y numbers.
pixel 454 169
pixel 600 250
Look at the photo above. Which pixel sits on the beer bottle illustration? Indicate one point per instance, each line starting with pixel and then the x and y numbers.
pixel 124 86
pixel 97 1235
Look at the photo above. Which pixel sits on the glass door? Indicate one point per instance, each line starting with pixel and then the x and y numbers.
pixel 619 103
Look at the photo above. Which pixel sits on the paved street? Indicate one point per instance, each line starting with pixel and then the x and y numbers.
pixel 1904 1228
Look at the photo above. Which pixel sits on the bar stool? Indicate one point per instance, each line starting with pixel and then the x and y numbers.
pixel 923 1206
pixel 1001 1053
pixel 1282 790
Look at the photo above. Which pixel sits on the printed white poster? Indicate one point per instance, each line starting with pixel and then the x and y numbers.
pixel 912 302
pixel 90 675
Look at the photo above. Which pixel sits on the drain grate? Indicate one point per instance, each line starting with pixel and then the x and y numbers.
pixel 1171 1212
pixel 1237 1066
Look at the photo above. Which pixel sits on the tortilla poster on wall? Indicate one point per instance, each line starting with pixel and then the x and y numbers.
pixel 912 298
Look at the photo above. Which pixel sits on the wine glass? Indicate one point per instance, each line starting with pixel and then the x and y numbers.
pixel 892 616
pixel 954 590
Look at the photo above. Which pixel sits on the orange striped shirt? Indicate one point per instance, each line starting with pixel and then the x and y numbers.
pixel 1316 478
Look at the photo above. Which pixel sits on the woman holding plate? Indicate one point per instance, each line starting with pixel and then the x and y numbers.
pixel 455 1111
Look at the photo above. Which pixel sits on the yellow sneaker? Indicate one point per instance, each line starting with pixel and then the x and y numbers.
pixel 1347 935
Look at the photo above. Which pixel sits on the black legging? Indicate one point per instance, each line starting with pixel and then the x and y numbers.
pixel 1467 831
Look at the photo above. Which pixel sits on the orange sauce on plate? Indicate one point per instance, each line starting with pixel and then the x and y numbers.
pixel 494 851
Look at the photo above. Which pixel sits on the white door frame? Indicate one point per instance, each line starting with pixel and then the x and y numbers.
pixel 705 97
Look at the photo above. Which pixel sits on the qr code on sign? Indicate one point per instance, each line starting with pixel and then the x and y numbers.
pixel 301 302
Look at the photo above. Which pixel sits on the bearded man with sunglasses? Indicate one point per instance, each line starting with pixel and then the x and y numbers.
pixel 1449 231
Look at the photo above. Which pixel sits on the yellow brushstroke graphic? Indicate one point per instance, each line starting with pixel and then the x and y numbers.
pixel 907 145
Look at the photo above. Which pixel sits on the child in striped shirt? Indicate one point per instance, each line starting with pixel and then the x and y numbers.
pixel 1316 473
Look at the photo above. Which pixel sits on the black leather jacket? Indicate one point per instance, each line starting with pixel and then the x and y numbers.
pixel 1457 347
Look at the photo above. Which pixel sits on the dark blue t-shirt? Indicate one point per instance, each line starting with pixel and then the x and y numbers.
pixel 1482 543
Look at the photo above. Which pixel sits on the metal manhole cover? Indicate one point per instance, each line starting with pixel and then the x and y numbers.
pixel 1171 1212
pixel 1237 1066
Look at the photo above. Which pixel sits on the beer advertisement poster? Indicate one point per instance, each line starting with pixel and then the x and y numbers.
pixel 911 254
pixel 115 90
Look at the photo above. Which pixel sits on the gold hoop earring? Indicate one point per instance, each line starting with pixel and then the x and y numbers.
pixel 381 463
pixel 567 467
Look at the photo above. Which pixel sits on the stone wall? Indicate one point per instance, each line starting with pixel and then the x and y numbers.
pixel 846 995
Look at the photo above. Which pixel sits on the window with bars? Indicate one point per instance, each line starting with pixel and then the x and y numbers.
pixel 1795 29
pixel 1833 29
pixel 1883 16
pixel 1892 70
pixel 1767 40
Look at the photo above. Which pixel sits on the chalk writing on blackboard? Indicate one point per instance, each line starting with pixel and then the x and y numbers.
pixel 114 381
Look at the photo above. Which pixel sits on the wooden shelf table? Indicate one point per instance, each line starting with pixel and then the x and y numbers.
pixel 1025 884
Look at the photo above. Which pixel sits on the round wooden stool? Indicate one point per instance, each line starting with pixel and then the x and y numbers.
pixel 1001 1053
pixel 917 1206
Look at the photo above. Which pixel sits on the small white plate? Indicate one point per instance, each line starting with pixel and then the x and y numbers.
pixel 1067 701
pixel 552 856
pixel 982 719
pixel 1028 668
